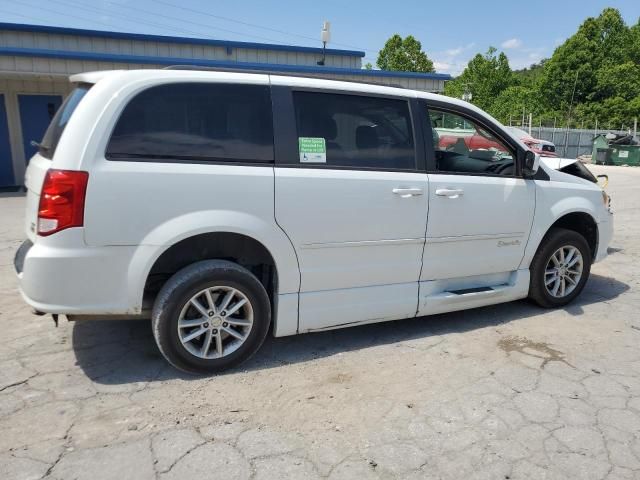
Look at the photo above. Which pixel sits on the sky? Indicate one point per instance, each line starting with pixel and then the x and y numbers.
pixel 451 32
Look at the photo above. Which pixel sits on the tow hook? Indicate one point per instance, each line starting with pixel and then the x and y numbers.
pixel 55 318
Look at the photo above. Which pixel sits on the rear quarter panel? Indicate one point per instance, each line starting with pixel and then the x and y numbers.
pixel 152 205
pixel 155 205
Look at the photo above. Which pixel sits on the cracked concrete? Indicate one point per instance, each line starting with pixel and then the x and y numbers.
pixel 504 392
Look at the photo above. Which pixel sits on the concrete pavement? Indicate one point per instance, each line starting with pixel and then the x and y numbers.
pixel 504 392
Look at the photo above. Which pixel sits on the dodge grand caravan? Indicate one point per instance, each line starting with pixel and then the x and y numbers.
pixel 226 205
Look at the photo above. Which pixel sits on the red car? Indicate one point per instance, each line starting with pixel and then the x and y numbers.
pixel 474 140
pixel 543 147
pixel 466 140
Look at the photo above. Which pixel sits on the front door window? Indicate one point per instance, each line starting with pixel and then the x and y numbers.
pixel 463 146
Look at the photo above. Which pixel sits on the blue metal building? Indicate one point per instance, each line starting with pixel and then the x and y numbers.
pixel 36 61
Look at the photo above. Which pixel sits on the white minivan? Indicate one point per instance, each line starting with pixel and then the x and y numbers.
pixel 223 205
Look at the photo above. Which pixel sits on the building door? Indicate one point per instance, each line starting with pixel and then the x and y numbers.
pixel 36 112
pixel 7 178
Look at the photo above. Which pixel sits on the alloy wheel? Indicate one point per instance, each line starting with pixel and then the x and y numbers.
pixel 563 271
pixel 215 322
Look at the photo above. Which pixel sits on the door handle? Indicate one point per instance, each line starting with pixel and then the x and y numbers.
pixel 407 192
pixel 450 192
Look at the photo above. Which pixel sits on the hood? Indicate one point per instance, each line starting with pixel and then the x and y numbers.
pixel 564 167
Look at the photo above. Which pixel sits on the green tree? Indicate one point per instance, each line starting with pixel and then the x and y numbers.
pixel 530 76
pixel 599 43
pixel 368 66
pixel 404 55
pixel 484 77
pixel 613 35
pixel 512 101
pixel 634 43
pixel 601 62
pixel 621 80
pixel 612 112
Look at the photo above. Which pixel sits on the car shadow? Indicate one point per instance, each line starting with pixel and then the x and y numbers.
pixel 121 352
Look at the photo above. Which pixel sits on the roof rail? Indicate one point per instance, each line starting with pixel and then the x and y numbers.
pixel 268 71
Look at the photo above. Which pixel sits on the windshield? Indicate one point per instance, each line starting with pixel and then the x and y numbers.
pixel 47 147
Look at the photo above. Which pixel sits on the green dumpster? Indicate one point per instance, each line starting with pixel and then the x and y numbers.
pixel 602 156
pixel 601 153
pixel 625 154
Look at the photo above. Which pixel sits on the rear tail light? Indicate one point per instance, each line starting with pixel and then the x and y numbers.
pixel 62 201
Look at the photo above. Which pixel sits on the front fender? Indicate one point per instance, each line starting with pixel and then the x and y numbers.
pixel 554 200
pixel 213 221
pixel 572 205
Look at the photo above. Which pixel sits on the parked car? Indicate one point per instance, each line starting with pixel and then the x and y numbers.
pixel 226 205
pixel 470 138
pixel 543 147
pixel 465 137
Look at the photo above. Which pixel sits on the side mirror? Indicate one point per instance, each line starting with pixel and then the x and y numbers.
pixel 531 163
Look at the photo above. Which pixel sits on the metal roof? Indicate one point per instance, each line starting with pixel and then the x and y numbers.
pixel 159 60
pixel 20 27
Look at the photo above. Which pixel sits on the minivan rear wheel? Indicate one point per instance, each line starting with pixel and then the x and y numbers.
pixel 211 316
pixel 560 268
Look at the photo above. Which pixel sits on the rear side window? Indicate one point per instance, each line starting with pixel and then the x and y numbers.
pixel 58 123
pixel 196 122
pixel 354 131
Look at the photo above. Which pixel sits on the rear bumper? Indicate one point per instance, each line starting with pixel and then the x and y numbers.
pixel 605 234
pixel 62 275
pixel 21 253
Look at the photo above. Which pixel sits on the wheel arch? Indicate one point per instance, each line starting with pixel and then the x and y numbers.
pixel 580 221
pixel 553 282
pixel 238 248
pixel 237 231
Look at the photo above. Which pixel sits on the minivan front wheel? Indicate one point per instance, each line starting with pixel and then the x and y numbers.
pixel 560 268
pixel 210 316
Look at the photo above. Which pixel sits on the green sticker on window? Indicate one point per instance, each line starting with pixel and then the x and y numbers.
pixel 312 150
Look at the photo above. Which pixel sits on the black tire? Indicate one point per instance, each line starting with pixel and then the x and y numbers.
pixel 186 283
pixel 554 240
